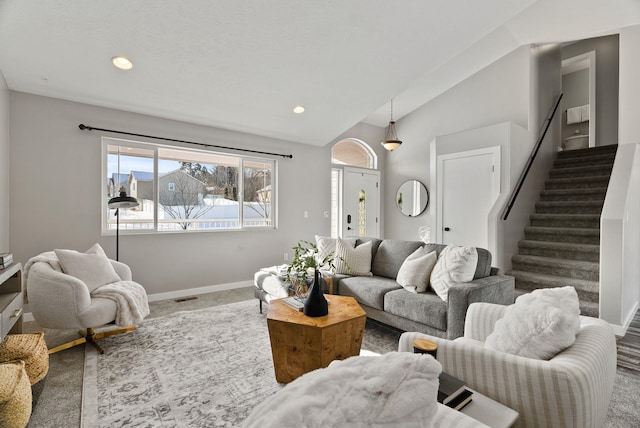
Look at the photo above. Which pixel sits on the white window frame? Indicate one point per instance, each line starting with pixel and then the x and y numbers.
pixel 109 141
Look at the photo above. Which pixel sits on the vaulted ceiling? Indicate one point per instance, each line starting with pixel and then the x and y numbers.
pixel 244 65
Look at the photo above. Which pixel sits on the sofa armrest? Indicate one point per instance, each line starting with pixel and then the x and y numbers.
pixel 481 320
pixel 499 289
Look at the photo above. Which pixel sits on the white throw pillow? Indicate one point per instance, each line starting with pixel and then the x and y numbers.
pixel 93 267
pixel 327 245
pixel 456 264
pixel 416 270
pixel 538 325
pixel 353 261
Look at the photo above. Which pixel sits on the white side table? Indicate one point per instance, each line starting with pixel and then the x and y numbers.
pixel 489 412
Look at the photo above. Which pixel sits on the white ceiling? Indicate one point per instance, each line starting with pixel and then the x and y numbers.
pixel 244 65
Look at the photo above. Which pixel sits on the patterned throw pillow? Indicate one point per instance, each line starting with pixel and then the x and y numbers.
pixel 416 269
pixel 327 245
pixel 456 264
pixel 353 261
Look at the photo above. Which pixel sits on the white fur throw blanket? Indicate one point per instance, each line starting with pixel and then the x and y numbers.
pixel 131 299
pixel 397 389
pixel 539 324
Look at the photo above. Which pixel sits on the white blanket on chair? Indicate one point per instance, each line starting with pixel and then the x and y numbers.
pixel 397 389
pixel 131 299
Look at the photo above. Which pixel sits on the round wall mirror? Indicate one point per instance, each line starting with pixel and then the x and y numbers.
pixel 412 198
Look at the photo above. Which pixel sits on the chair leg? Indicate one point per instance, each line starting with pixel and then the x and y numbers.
pixel 90 337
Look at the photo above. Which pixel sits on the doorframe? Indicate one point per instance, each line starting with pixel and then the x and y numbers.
pixel 440 159
pixel 587 60
pixel 356 170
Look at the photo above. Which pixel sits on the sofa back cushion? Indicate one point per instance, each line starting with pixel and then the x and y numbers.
pixel 390 256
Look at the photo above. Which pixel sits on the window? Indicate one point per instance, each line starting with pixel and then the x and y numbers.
pixel 187 190
pixel 353 152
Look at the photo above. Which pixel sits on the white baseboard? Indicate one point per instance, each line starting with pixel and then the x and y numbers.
pixel 621 330
pixel 27 317
pixel 199 290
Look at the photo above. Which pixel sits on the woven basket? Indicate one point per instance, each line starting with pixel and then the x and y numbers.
pixel 30 348
pixel 15 395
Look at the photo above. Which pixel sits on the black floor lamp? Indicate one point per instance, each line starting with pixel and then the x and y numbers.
pixel 122 201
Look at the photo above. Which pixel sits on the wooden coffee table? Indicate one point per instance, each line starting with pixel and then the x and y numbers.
pixel 300 344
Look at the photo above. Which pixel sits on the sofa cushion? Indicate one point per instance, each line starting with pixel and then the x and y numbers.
pixel 369 291
pixel 483 268
pixel 390 256
pixel 415 271
pixel 456 264
pixel 375 243
pixel 353 261
pixel 426 308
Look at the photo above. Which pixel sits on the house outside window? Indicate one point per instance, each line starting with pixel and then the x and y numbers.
pixel 182 189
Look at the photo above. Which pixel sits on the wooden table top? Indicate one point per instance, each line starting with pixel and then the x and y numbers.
pixel 341 308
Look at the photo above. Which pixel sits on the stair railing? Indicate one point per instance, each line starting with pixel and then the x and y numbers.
pixel 534 152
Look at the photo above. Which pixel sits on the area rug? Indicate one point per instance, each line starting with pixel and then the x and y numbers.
pixel 203 368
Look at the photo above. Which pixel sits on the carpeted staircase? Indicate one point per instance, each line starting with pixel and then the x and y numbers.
pixel 562 244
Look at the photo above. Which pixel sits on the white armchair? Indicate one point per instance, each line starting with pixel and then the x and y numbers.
pixel 61 301
pixel 572 389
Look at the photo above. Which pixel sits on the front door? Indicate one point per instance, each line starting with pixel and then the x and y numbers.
pixel 361 203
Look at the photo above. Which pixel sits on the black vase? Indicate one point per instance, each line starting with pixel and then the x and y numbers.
pixel 316 305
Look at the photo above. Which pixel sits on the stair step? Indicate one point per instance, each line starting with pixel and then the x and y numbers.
pixel 563 234
pixel 560 250
pixel 605 159
pixel 594 194
pixel 566 220
pixel 587 309
pixel 591 151
pixel 576 269
pixel 581 171
pixel 577 182
pixel 569 207
pixel 587 290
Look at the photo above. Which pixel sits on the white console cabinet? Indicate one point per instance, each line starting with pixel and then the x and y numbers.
pixel 11 300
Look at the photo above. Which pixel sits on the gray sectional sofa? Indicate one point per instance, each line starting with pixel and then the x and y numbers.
pixel 384 300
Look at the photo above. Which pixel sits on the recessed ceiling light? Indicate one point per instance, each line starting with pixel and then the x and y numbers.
pixel 298 109
pixel 122 62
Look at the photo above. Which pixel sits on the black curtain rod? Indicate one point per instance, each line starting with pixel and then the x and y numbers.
pixel 91 128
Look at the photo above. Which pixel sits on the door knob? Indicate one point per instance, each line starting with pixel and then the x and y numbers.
pixel 446 229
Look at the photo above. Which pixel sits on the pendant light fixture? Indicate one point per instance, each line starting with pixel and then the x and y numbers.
pixel 391 141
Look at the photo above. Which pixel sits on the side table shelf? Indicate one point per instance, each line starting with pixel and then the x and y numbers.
pixel 11 300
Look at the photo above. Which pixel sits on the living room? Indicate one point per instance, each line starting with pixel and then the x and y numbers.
pixel 52 181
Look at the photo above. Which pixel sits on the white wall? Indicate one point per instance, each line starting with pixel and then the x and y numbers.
pixel 629 101
pixel 4 166
pixel 498 93
pixel 56 189
pixel 620 222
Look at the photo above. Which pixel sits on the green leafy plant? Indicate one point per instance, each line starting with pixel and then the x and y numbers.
pixel 305 262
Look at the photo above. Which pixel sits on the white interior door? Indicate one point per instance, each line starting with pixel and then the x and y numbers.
pixel 468 185
pixel 361 203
